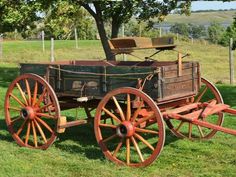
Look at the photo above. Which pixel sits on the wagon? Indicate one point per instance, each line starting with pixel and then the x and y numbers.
pixel 128 102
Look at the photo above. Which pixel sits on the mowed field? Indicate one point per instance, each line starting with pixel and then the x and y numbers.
pixel 76 152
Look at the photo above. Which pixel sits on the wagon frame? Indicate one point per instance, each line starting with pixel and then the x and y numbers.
pixel 132 100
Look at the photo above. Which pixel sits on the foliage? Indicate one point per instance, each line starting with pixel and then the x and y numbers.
pixel 19 15
pixel 197 31
pixel 189 30
pixel 215 32
pixel 135 28
pixel 62 18
pixel 229 33
pixel 180 28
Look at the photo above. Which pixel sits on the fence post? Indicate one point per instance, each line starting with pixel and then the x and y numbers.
pixel 160 32
pixel 231 61
pixel 76 39
pixel 52 50
pixel 43 35
pixel 1 44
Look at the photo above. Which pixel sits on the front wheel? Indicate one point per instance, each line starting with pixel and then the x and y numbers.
pixel 135 135
pixel 32 111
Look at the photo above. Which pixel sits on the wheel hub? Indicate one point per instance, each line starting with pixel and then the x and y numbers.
pixel 125 129
pixel 28 113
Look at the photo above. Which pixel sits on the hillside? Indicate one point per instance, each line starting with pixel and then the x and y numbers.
pixel 223 17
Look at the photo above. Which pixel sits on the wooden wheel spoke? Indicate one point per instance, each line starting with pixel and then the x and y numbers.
pixel 15 98
pixel 14 108
pixel 180 125
pixel 200 130
pixel 109 138
pixel 128 111
pixel 41 97
pixel 22 93
pixel 16 119
pixel 141 130
pixel 21 127
pixel 111 115
pixel 117 148
pixel 35 93
pixel 136 113
pixel 190 127
pixel 28 132
pixel 45 115
pixel 137 148
pixel 119 108
pixel 40 131
pixel 44 124
pixel 144 119
pixel 107 125
pixel 34 134
pixel 128 151
pixel 200 95
pixel 45 106
pixel 144 141
pixel 28 91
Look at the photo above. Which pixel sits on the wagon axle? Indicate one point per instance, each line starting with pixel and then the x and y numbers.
pixel 125 129
pixel 28 113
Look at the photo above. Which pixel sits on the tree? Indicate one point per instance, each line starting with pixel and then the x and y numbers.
pixel 197 31
pixel 19 15
pixel 63 17
pixel 118 12
pixel 229 33
pixel 215 32
pixel 180 28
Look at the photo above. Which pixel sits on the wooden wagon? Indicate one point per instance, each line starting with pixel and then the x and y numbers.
pixel 132 99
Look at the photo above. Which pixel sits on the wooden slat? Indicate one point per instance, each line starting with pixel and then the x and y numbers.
pixel 181 109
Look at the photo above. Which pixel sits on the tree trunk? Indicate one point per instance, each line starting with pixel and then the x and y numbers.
pixel 114 29
pixel 104 39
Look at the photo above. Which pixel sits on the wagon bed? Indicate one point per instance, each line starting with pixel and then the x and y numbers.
pixel 93 79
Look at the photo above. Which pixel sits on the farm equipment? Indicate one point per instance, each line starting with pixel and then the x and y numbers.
pixel 132 99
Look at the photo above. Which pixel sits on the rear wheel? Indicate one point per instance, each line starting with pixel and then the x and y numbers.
pixel 184 129
pixel 32 111
pixel 135 136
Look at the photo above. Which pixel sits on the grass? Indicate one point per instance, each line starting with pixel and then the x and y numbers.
pixel 76 153
pixel 213 58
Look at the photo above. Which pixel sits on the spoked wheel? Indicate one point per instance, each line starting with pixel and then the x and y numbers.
pixel 135 136
pixel 32 111
pixel 183 129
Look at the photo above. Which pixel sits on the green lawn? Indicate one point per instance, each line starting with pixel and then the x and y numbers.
pixel 76 153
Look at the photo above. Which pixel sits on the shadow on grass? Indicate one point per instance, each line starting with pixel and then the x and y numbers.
pixel 4 134
pixel 85 137
pixel 228 93
pixel 7 75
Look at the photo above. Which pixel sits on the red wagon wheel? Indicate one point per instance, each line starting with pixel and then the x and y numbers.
pixel 32 111
pixel 185 129
pixel 135 136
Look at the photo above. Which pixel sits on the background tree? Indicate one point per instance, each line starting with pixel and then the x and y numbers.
pixel 20 15
pixel 180 28
pixel 215 32
pixel 63 17
pixel 229 33
pixel 197 31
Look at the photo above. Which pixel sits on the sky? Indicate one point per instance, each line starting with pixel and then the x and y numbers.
pixel 212 5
